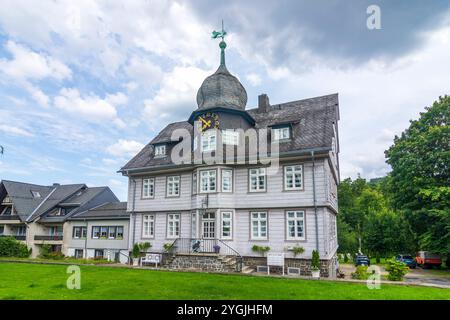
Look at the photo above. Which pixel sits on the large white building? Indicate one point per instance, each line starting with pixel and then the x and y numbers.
pixel 195 209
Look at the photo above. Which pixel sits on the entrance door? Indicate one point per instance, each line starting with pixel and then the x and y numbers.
pixel 209 225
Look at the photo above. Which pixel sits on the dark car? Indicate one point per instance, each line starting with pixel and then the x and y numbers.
pixel 407 259
pixel 362 260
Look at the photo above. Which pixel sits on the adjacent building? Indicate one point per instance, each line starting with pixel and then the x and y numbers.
pixel 99 233
pixel 36 214
pixel 199 208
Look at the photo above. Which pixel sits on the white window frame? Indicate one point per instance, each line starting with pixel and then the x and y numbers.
pixel 229 220
pixel 160 150
pixel 231 180
pixel 194 224
pixel 171 182
pixel 194 183
pixel 294 172
pixel 81 229
pixel 258 173
pixel 230 137
pixel 208 141
pixel 148 226
pixel 114 234
pixel 173 225
pixel 259 221
pixel 296 219
pixel 148 188
pixel 208 177
pixel 281 133
pixel 93 232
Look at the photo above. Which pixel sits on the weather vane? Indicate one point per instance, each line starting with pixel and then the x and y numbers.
pixel 219 34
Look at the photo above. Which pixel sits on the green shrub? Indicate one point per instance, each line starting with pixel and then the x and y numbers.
pixel 136 253
pixel 315 261
pixel 260 249
pixel 144 246
pixel 47 253
pixel 397 270
pixel 10 247
pixel 297 250
pixel 345 258
pixel 361 273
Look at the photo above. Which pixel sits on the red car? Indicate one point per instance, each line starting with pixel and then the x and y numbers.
pixel 426 259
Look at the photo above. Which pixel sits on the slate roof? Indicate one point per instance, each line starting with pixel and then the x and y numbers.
pixel 29 208
pixel 311 121
pixel 116 210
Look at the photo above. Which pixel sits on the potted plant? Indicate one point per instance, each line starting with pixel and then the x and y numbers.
pixel 136 254
pixel 261 249
pixel 216 248
pixel 315 264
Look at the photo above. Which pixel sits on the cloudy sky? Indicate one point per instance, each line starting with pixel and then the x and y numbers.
pixel 84 85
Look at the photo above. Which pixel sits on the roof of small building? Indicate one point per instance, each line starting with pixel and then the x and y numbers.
pixel 110 210
pixel 311 120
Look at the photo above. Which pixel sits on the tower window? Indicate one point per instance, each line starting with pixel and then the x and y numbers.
pixel 160 150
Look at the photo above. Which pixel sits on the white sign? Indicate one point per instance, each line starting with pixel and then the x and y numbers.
pixel 275 259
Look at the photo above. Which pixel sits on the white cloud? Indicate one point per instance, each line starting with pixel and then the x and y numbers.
pixel 27 64
pixel 90 107
pixel 117 99
pixel 124 148
pixel 15 131
pixel 254 79
pixel 175 100
pixel 143 71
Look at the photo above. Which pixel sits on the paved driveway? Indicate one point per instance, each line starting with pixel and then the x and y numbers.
pixel 416 276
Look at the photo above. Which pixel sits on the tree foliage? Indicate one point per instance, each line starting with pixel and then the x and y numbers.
pixel 10 247
pixel 420 177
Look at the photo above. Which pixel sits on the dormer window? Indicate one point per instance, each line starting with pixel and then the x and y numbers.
pixel 208 141
pixel 230 137
pixel 160 150
pixel 281 133
pixel 36 194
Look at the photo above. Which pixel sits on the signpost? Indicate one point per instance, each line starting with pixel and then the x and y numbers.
pixel 275 259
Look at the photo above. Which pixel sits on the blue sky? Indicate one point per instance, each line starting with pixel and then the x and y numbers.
pixel 84 85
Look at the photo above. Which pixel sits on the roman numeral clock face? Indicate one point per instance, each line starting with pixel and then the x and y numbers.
pixel 209 120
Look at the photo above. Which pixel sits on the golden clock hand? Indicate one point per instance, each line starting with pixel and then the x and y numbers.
pixel 203 120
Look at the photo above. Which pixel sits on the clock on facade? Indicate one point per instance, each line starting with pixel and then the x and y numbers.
pixel 209 120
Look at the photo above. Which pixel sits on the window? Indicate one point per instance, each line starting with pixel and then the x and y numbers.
pixel 293 177
pixel 227 225
pixel 98 254
pixel 208 181
pixel 160 150
pixel 7 211
pixel 295 225
pixel 173 225
pixel 194 225
pixel 281 133
pixel 148 226
pixel 55 231
pixel 21 231
pixel 111 232
pixel 103 232
pixel 208 141
pixel 227 180
pixel 79 232
pixel 35 194
pixel 230 137
pixel 173 186
pixel 95 232
pixel 78 253
pixel 259 225
pixel 2 230
pixel 119 232
pixel 148 188
pixel 194 183
pixel 257 179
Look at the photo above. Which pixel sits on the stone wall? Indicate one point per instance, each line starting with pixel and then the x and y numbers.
pixel 210 263
pixel 303 264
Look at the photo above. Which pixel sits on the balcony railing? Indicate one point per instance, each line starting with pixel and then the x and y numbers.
pixel 48 238
pixel 17 237
pixel 9 217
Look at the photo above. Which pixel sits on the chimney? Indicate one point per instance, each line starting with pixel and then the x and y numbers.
pixel 263 103
pixel 56 185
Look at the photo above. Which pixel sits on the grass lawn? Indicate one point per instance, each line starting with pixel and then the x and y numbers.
pixel 33 281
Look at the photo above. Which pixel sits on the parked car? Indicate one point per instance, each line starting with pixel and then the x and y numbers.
pixel 362 260
pixel 427 259
pixel 407 259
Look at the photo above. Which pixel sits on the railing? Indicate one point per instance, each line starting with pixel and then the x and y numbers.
pixel 17 237
pixel 228 248
pixel 9 217
pixel 48 238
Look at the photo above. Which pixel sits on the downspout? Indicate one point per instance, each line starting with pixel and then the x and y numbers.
pixel 315 200
pixel 133 214
pixel 85 239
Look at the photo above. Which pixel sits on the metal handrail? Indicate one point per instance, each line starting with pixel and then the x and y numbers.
pixel 238 256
